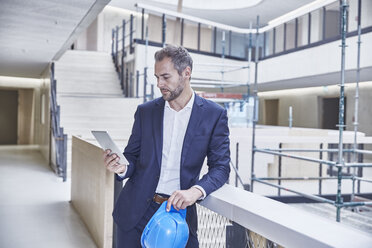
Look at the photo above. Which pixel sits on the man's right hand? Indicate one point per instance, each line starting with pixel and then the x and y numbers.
pixel 112 162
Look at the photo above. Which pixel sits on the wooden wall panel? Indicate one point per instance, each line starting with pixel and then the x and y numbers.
pixel 92 191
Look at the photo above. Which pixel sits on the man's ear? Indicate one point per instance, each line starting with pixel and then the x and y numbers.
pixel 187 72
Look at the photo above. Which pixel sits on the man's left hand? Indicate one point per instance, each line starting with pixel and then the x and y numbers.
pixel 181 199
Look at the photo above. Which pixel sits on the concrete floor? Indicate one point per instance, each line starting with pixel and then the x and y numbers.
pixel 361 220
pixel 34 204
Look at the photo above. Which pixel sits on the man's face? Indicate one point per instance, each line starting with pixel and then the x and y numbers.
pixel 170 83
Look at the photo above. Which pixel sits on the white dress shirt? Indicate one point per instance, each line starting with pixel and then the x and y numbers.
pixel 174 129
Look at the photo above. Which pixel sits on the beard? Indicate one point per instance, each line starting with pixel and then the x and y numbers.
pixel 173 94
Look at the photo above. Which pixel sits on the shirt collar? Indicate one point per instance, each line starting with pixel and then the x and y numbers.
pixel 188 105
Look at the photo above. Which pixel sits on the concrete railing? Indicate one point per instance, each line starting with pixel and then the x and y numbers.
pixel 92 191
pixel 281 223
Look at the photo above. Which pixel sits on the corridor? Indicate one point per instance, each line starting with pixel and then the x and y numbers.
pixel 34 204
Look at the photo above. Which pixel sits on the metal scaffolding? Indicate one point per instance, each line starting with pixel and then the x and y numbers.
pixel 252 90
pixel 340 163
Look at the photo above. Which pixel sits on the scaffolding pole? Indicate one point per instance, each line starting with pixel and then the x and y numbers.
pixel 249 60
pixel 223 41
pixel 363 151
pixel 357 151
pixel 307 150
pixel 356 204
pixel 341 125
pixel 356 116
pixel 313 197
pixel 254 121
pixel 320 161
pixel 317 198
pixel 237 174
pixel 301 178
pixel 358 164
pixel 340 164
pixel 363 179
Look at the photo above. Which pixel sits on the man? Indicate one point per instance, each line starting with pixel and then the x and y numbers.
pixel 170 139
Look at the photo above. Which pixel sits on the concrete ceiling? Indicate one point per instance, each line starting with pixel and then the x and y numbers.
pixel 33 33
pixel 266 9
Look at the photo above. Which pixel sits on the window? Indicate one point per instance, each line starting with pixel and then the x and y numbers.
pixel 154 28
pixel 173 30
pixel 190 35
pixel 366 17
pixel 303 30
pixel 353 15
pixel 290 34
pixel 269 49
pixel 279 39
pixel 316 31
pixel 206 35
pixel 332 20
pixel 238 45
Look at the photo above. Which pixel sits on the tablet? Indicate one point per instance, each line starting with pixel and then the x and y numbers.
pixel 106 142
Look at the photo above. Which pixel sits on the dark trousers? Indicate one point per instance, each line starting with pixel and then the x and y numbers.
pixel 132 238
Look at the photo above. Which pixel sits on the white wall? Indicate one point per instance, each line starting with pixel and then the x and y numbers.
pixel 201 64
pixel 92 36
pixel 366 13
pixel 97 37
pixel 34 131
pixel 315 61
pixel 42 115
pixel 306 110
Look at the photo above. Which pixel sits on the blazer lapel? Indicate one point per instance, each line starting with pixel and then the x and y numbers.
pixel 196 114
pixel 158 117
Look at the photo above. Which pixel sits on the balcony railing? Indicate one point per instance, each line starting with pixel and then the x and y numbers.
pixel 230 212
pixel 153 26
pixel 229 217
pixel 59 137
pixel 312 28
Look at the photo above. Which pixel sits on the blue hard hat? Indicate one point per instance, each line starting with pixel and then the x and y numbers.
pixel 166 229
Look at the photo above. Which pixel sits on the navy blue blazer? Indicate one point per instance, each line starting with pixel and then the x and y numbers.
pixel 207 135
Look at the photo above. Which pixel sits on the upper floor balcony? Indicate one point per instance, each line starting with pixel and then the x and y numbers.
pixel 300 49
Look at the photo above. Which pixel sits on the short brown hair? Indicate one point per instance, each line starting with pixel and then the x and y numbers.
pixel 179 55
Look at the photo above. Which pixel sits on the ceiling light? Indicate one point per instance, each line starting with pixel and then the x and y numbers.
pixel 298 12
